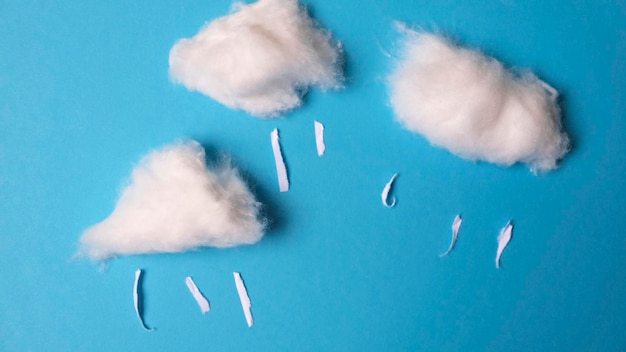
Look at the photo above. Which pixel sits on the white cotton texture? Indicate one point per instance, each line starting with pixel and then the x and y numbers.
pixel 174 203
pixel 261 58
pixel 468 103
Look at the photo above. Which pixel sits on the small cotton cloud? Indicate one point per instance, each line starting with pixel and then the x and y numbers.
pixel 468 103
pixel 261 58
pixel 174 203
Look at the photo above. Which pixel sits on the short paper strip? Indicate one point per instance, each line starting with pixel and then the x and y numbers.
pixel 503 240
pixel 244 298
pixel 195 292
pixel 385 194
pixel 137 297
pixel 281 170
pixel 319 138
pixel 456 225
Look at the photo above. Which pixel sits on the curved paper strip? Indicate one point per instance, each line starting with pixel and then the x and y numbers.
pixel 456 225
pixel 136 298
pixel 385 194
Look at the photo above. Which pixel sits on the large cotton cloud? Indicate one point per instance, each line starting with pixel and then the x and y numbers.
pixel 174 203
pixel 259 59
pixel 468 103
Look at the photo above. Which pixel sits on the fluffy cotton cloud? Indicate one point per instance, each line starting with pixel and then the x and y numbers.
pixel 468 103
pixel 259 59
pixel 174 203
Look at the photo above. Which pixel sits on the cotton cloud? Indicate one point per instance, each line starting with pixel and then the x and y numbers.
pixel 259 59
pixel 174 203
pixel 468 103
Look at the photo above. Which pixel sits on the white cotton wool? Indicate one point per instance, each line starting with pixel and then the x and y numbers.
pixel 468 103
pixel 260 58
pixel 174 203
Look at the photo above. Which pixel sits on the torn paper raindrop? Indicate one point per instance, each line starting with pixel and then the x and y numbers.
pixel 138 299
pixel 244 298
pixel 281 169
pixel 503 240
pixel 319 138
pixel 261 58
pixel 456 225
pixel 385 194
pixel 174 202
pixel 197 295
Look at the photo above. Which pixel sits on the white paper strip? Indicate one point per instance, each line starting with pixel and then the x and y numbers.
pixel 195 292
pixel 319 138
pixel 137 295
pixel 503 240
pixel 456 225
pixel 244 298
pixel 385 194
pixel 281 170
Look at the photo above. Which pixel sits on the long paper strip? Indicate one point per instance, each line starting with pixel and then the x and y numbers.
pixel 195 292
pixel 136 298
pixel 244 298
pixel 281 170
pixel 319 138
pixel 456 225
pixel 503 240
pixel 385 194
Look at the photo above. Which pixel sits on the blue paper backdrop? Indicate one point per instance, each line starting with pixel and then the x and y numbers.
pixel 84 92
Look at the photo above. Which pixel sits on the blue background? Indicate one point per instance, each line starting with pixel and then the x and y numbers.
pixel 84 93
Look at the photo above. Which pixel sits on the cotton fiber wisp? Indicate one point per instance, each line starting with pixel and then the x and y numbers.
pixel 261 58
pixel 174 203
pixel 468 103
